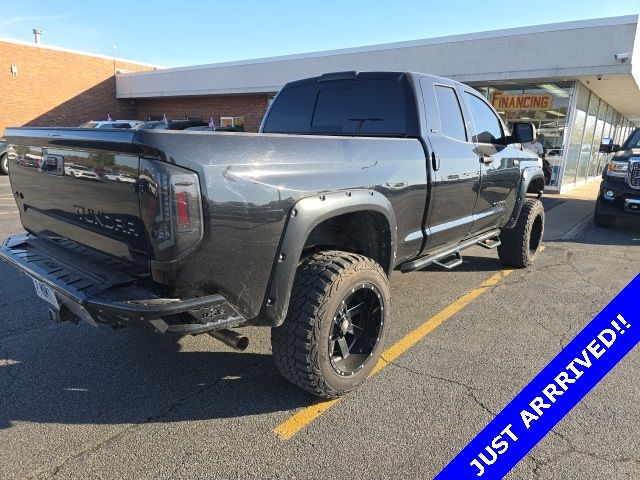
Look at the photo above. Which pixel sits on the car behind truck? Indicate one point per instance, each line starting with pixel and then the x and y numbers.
pixel 296 228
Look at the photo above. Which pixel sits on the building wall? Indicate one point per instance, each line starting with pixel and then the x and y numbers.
pixel 251 107
pixel 54 87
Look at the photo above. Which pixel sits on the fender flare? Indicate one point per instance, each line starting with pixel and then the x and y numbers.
pixel 528 175
pixel 303 217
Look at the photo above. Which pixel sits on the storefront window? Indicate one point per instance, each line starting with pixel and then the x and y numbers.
pixel 545 104
pixel 587 139
pixel 575 144
pixel 606 133
pixel 597 138
pixel 549 106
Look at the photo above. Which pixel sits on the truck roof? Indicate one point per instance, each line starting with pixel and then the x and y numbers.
pixel 375 75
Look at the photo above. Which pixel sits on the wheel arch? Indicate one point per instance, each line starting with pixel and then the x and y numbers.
pixel 531 181
pixel 311 225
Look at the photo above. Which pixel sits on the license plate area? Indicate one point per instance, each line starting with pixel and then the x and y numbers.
pixel 46 293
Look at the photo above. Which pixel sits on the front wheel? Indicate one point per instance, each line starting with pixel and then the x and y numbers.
pixel 601 219
pixel 334 330
pixel 4 164
pixel 521 244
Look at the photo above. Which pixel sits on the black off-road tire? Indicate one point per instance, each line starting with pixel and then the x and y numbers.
pixel 301 344
pixel 601 219
pixel 4 165
pixel 521 244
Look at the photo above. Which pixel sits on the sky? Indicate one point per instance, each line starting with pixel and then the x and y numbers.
pixel 179 33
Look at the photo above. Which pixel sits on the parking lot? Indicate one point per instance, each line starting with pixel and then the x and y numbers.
pixel 81 402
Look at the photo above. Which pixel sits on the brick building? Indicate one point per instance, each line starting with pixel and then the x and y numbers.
pixel 47 86
pixel 231 110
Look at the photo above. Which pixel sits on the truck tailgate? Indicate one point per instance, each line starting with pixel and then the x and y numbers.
pixel 79 184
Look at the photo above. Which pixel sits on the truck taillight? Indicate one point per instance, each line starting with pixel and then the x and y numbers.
pixel 182 207
pixel 172 206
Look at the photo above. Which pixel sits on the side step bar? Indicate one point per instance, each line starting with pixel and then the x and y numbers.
pixel 491 243
pixel 489 239
pixel 456 261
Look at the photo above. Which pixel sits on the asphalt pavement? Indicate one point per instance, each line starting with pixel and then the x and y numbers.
pixel 80 402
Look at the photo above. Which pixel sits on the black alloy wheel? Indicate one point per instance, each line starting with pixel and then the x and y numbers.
pixel 356 329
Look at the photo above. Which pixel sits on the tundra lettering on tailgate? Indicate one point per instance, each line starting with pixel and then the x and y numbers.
pixel 106 221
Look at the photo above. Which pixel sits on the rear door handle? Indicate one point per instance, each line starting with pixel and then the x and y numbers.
pixel 487 160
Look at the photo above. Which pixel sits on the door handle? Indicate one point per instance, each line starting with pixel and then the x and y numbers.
pixel 435 161
pixel 487 160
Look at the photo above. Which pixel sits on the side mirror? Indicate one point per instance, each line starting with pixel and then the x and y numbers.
pixel 522 132
pixel 607 146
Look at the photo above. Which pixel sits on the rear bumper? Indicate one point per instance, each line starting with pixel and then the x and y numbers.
pixel 100 289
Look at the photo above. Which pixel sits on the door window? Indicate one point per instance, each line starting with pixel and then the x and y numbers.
pixel 451 121
pixel 487 125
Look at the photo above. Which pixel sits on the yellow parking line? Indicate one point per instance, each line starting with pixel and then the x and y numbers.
pixel 305 416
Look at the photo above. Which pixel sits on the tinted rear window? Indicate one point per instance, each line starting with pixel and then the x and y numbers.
pixel 362 107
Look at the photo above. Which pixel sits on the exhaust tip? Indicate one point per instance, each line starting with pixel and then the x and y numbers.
pixel 242 344
pixel 231 338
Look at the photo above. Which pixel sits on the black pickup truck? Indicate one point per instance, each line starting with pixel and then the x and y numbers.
pixel 619 194
pixel 296 228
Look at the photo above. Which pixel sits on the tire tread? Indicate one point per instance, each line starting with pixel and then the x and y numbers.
pixel 514 250
pixel 295 343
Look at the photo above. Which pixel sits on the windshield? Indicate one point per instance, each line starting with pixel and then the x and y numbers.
pixel 633 141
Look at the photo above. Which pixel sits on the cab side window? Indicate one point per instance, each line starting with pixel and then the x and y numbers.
pixel 451 121
pixel 487 126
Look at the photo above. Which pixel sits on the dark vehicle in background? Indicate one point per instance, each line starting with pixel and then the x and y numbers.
pixel 619 194
pixel 4 158
pixel 296 228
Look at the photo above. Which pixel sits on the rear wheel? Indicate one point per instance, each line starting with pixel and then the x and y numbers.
pixel 4 164
pixel 334 330
pixel 521 244
pixel 601 219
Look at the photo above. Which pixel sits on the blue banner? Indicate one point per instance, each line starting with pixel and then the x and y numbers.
pixel 553 392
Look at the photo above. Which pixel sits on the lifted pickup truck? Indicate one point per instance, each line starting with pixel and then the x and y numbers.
pixel 296 228
pixel 619 194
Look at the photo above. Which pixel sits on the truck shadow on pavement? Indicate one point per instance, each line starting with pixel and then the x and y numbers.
pixel 80 375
